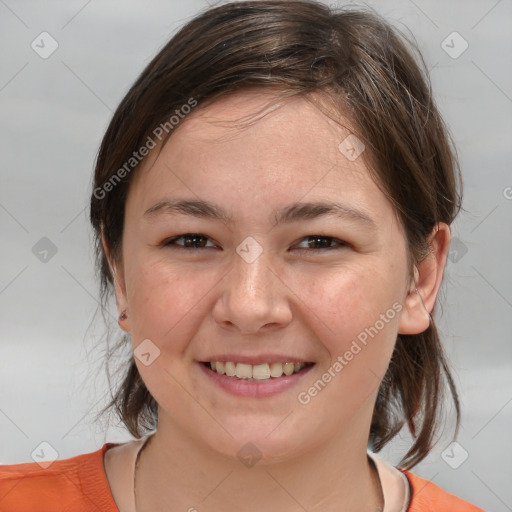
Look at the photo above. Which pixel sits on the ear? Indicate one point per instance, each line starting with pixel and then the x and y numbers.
pixel 423 290
pixel 117 273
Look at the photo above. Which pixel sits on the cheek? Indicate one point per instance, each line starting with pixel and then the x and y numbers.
pixel 166 303
pixel 167 306
pixel 358 313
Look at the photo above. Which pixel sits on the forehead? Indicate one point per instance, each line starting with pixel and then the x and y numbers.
pixel 264 148
pixel 263 117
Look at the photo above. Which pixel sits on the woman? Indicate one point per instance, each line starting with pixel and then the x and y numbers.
pixel 271 203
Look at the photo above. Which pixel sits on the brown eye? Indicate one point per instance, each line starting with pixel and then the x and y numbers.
pixel 322 242
pixel 189 241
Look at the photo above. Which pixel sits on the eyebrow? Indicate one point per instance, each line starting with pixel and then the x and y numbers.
pixel 294 212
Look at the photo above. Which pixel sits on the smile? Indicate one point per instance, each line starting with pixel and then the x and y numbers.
pixel 254 376
pixel 260 372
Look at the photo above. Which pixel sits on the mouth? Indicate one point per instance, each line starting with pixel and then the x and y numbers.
pixel 257 372
pixel 255 380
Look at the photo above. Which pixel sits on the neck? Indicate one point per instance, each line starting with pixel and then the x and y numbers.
pixel 335 476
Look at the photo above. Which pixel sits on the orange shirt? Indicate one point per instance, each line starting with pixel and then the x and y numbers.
pixel 79 484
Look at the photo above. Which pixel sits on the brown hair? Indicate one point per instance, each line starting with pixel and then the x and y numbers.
pixel 365 68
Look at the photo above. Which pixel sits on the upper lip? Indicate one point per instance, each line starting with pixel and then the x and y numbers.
pixel 254 360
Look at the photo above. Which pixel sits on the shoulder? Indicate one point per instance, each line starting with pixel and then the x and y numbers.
pixel 78 483
pixel 428 497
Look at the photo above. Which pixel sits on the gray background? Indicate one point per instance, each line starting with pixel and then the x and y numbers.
pixel 53 114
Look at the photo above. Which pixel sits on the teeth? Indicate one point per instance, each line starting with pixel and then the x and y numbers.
pixel 230 369
pixel 257 372
pixel 288 368
pixel 220 367
pixel 276 369
pixel 261 371
pixel 243 371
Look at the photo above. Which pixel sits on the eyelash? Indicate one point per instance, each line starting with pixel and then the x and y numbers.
pixel 341 243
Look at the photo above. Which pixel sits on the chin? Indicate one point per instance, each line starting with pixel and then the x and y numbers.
pixel 257 443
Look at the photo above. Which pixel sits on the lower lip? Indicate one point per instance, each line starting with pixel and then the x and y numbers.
pixel 255 388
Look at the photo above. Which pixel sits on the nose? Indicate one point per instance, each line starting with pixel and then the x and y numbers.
pixel 253 298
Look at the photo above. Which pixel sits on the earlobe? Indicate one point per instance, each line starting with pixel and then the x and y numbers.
pixel 415 317
pixel 122 303
pixel 117 273
pixel 425 284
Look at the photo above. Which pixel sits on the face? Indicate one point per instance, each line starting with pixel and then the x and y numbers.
pixel 255 246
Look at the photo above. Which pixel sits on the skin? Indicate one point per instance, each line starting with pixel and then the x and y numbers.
pixel 309 304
